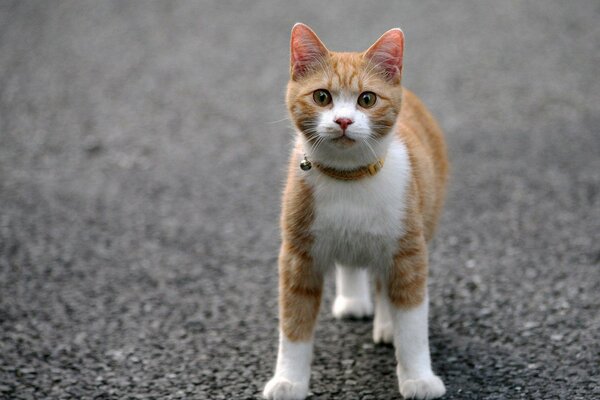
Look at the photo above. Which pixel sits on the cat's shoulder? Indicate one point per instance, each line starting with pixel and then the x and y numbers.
pixel 416 125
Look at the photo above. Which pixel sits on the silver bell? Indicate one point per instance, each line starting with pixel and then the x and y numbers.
pixel 305 165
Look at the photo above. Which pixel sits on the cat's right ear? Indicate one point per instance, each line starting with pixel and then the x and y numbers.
pixel 306 51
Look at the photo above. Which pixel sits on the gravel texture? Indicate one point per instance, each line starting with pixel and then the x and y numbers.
pixel 142 156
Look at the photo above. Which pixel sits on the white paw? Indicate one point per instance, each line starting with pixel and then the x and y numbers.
pixel 352 307
pixel 383 332
pixel 428 387
pixel 280 388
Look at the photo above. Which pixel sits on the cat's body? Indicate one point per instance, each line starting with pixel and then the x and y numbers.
pixel 369 202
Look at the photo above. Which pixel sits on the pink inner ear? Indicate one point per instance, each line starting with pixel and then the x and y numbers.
pixel 387 53
pixel 306 50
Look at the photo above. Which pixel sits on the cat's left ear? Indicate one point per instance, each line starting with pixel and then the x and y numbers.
pixel 306 51
pixel 387 54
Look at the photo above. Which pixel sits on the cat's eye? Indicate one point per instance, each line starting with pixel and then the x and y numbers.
pixel 367 99
pixel 322 97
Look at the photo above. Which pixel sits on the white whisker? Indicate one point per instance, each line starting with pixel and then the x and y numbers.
pixel 280 120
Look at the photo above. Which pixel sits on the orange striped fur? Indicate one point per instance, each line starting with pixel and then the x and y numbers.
pixel 300 286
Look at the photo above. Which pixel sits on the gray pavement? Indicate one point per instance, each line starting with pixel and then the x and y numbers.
pixel 142 156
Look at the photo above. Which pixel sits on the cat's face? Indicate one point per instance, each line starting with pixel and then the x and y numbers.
pixel 344 103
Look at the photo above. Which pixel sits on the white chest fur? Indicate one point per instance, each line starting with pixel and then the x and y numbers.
pixel 358 223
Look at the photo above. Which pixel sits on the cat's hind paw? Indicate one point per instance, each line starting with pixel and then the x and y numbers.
pixel 352 307
pixel 280 388
pixel 430 387
pixel 383 332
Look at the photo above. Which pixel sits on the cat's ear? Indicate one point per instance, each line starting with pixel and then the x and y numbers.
pixel 306 51
pixel 387 53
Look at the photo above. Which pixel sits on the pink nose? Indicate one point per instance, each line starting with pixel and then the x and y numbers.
pixel 343 122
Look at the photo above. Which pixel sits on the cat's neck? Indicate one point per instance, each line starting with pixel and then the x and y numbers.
pixel 345 159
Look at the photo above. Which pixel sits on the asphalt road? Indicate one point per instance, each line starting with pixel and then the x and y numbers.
pixel 142 156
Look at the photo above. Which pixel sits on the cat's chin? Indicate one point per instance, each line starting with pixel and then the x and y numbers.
pixel 343 142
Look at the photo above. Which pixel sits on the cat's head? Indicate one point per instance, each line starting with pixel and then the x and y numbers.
pixel 344 104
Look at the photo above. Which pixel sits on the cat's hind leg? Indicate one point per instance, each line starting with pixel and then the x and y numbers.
pixel 383 329
pixel 353 298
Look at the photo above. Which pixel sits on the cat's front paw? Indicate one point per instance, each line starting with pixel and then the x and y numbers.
pixel 280 388
pixel 427 387
pixel 352 307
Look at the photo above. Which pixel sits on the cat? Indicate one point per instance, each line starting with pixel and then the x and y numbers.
pixel 364 191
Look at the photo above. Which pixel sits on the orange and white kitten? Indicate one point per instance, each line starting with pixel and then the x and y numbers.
pixel 364 191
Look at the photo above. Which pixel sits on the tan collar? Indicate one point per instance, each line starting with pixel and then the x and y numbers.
pixel 352 174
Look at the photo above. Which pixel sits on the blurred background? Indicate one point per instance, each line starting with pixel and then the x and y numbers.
pixel 143 149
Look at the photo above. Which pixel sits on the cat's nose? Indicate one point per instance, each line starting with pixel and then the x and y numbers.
pixel 343 122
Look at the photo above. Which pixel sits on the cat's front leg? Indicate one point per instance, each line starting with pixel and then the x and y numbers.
pixel 300 289
pixel 407 291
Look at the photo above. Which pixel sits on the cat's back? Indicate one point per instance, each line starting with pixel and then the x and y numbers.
pixel 426 146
